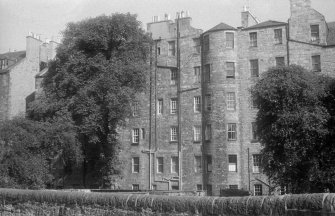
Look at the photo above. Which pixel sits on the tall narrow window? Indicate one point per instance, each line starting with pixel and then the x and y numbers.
pixel 209 163
pixel 197 104
pixel 254 68
pixel 278 36
pixel 136 108
pixel 196 133
pixel 174 164
pixel 197 164
pixel 173 105
pixel 142 133
pixel 232 131
pixel 231 101
pixel 173 80
pixel 316 63
pixel 160 106
pixel 258 190
pixel 172 48
pixel 256 159
pixel 197 74
pixel 158 50
pixel 207 73
pixel 229 40
pixel 160 168
pixel 253 39
pixel 136 164
pixel 230 67
pixel 315 34
pixel 206 43
pixel 208 100
pixel 173 134
pixel 232 163
pixel 136 135
pixel 196 42
pixel 254 131
pixel 208 132
pixel 280 61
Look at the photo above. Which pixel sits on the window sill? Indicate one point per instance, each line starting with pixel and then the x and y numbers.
pixel 230 78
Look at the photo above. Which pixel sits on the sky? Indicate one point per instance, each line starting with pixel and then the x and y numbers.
pixel 48 18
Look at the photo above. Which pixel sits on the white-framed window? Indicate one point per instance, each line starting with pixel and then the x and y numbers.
pixel 234 187
pixel 173 105
pixel 278 36
pixel 232 133
pixel 254 69
pixel 229 40
pixel 315 33
pixel 136 135
pixel 232 163
pixel 173 134
pixel 253 39
pixel 208 101
pixel 208 132
pixel 135 164
pixel 230 68
pixel 207 73
pixel 173 76
pixel 280 61
pixel 256 159
pixel 197 164
pixel 172 48
pixel 254 131
pixel 197 104
pixel 209 163
pixel 258 190
pixel 196 133
pixel 160 106
pixel 174 164
pixel 160 165
pixel 136 187
pixel 316 63
pixel 197 74
pixel 231 101
pixel 136 108
pixel 206 43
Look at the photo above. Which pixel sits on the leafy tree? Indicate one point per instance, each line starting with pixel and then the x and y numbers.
pixel 100 66
pixel 293 125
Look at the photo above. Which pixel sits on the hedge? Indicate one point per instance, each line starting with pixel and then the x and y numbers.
pixel 304 204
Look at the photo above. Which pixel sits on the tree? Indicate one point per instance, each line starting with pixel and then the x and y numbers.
pixel 293 125
pixel 100 66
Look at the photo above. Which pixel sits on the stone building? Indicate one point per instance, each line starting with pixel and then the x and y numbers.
pixel 193 129
pixel 18 71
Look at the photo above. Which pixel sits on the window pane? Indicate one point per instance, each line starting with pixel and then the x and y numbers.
pixel 174 133
pixel 197 133
pixel 254 68
pixel 316 63
pixel 230 66
pixel 254 131
pixel 315 33
pixel 197 104
pixel 230 40
pixel 231 102
pixel 174 164
pixel 197 74
pixel 160 165
pixel 136 164
pixel 209 163
pixel 198 164
pixel 231 131
pixel 136 108
pixel 207 71
pixel 208 102
pixel 196 42
pixel 253 39
pixel 173 105
pixel 235 187
pixel 160 106
pixel 258 190
pixel 136 135
pixel 256 163
pixel 280 61
pixel 208 132
pixel 172 48
pixel 278 36
pixel 173 77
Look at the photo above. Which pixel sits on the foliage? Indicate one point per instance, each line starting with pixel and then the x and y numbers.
pixel 293 126
pixel 233 192
pixel 100 66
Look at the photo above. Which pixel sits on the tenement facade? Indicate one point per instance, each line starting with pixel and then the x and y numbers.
pixel 194 129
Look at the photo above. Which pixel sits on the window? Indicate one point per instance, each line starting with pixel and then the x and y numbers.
pixel 172 48
pixel 136 108
pixel 256 159
pixel 254 104
pixel 234 187
pixel 207 73
pixel 280 61
pixel 278 36
pixel 208 102
pixel 254 68
pixel 158 50
pixel 196 42
pixel 196 133
pixel 136 164
pixel 232 131
pixel 253 39
pixel 173 134
pixel 206 43
pixel 258 191
pixel 136 135
pixel 199 187
pixel 142 133
pixel 160 168
pixel 173 77
pixel 209 190
pixel 208 132
pixel 209 163
pixel 174 164
pixel 282 190
pixel 229 40
pixel 315 35
pixel 197 74
pixel 197 164
pixel 136 187
pixel 154 187
pixel 173 105
pixel 175 187
pixel 160 106
pixel 231 102
pixel 316 63
pixel 230 67
pixel 254 131
pixel 232 163
pixel 197 104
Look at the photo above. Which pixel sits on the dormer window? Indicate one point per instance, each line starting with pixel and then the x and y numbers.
pixel 3 63
pixel 315 34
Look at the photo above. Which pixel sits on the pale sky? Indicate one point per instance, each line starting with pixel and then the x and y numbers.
pixel 49 17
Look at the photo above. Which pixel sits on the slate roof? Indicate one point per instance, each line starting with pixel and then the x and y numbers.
pixel 221 27
pixel 331 33
pixel 13 55
pixel 266 24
